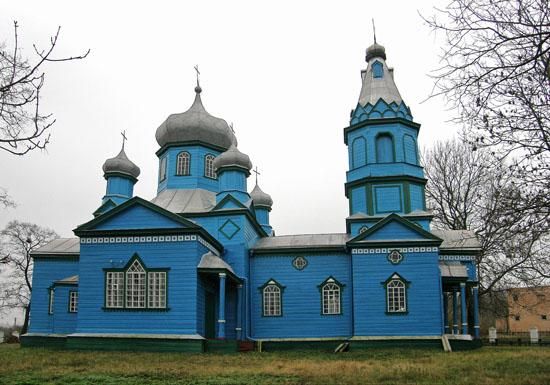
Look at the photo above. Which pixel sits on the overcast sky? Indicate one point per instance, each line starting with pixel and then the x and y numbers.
pixel 286 74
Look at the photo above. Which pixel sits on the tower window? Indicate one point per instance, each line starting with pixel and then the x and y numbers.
pixel 183 163
pixel 359 152
pixel 377 70
pixel 209 171
pixel 384 149
pixel 162 169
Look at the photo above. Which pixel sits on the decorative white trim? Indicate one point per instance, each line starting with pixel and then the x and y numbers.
pixel 457 258
pixel 222 321
pixel 222 275
pixel 400 249
pixel 149 239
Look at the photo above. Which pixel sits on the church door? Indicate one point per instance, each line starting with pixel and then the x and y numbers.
pixel 210 315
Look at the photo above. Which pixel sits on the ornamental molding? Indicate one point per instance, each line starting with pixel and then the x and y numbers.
pixel 400 249
pixel 457 257
pixel 149 239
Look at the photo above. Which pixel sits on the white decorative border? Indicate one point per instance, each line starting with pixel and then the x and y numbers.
pixel 149 239
pixel 457 258
pixel 400 249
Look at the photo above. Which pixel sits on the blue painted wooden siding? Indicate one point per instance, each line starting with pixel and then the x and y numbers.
pixel 394 230
pixel 417 197
pixel 359 152
pixel 46 272
pixel 424 317
pixel 409 149
pixel 301 298
pixel 196 179
pixel 230 180
pixel 138 217
pixel 388 199
pixel 118 189
pixel 359 200
pixel 181 258
pixel 63 322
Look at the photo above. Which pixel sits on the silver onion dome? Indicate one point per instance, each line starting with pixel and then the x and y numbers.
pixel 195 124
pixel 233 158
pixel 120 164
pixel 375 50
pixel 260 198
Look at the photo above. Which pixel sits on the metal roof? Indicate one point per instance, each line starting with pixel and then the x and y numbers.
pixel 260 198
pixel 186 200
pixel 233 158
pixel 212 261
pixel 302 241
pixel 453 270
pixel 121 164
pixel 69 280
pixel 457 239
pixel 415 213
pixel 60 246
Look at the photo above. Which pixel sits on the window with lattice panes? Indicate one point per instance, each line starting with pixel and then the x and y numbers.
pixel 272 300
pixel 396 296
pixel 135 286
pixel 331 298
pixel 156 296
pixel 114 289
pixel 183 163
pixel 209 170
pixel 73 301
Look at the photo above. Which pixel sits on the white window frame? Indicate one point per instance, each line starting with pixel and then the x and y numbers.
pixel 73 301
pixel 51 301
pixel 271 295
pixel 209 170
pixel 136 281
pixel 156 290
pixel 162 168
pixel 114 289
pixel 396 296
pixel 183 164
pixel 331 298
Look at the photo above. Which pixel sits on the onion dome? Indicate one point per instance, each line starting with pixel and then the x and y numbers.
pixel 375 50
pixel 194 125
pixel 259 198
pixel 233 158
pixel 120 164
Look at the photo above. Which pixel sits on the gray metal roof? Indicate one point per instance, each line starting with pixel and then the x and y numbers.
pixel 457 239
pixel 121 164
pixel 195 124
pixel 453 270
pixel 384 87
pixel 260 198
pixel 186 200
pixel 301 241
pixel 233 158
pixel 69 280
pixel 212 261
pixel 60 246
pixel 415 213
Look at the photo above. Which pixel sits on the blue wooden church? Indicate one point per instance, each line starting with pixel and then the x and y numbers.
pixel 199 266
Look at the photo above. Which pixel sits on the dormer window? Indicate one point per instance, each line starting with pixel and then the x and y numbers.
pixel 377 70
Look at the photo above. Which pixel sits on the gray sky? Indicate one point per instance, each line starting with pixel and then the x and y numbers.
pixel 286 74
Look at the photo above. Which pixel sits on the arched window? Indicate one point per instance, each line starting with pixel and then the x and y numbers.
pixel 162 169
pixel 409 148
pixel 384 149
pixel 377 70
pixel 135 286
pixel 359 152
pixel 396 294
pixel 271 299
pixel 331 298
pixel 183 163
pixel 209 171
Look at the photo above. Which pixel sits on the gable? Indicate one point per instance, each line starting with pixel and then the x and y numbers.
pixel 394 230
pixel 138 217
pixel 229 202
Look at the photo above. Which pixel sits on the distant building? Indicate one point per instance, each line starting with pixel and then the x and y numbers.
pixel 528 307
pixel 200 262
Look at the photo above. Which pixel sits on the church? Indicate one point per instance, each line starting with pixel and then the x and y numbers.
pixel 200 268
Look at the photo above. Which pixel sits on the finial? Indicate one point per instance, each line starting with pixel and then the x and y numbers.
pixel 198 88
pixel 124 138
pixel 374 30
pixel 231 126
pixel 255 171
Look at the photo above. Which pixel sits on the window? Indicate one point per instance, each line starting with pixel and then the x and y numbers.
pixel 271 298
pixel 331 297
pixel 135 287
pixel 162 169
pixel 183 163
pixel 114 290
pixel 384 149
pixel 358 152
pixel 73 301
pixel 209 171
pixel 156 290
pixel 51 301
pixel 396 294
pixel 395 257
pixel 299 263
pixel 377 70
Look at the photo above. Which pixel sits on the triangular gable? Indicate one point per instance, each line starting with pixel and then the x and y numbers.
pixel 229 202
pixel 108 205
pixel 136 213
pixel 394 228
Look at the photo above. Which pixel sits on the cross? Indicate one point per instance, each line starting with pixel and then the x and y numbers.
pixel 198 73
pixel 124 138
pixel 255 171
pixel 374 30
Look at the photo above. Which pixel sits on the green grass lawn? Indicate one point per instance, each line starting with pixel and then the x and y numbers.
pixel 489 365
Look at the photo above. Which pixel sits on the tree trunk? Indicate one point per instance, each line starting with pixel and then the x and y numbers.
pixel 26 322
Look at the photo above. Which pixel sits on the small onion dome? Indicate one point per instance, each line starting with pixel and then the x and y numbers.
pixel 375 50
pixel 233 158
pixel 195 124
pixel 259 198
pixel 120 164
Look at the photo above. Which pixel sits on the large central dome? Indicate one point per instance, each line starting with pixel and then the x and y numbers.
pixel 195 125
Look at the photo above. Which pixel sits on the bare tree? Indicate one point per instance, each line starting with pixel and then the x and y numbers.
pixel 23 126
pixel 496 74
pixel 18 240
pixel 5 199
pixel 473 190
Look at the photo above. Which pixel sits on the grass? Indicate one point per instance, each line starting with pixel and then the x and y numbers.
pixel 489 365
